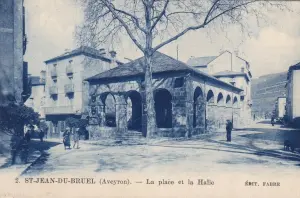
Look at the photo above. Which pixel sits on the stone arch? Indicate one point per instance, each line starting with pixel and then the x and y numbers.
pixel 210 97
pixel 163 108
pixel 109 102
pixel 235 102
pixel 134 110
pixel 228 100
pixel 220 99
pixel 198 107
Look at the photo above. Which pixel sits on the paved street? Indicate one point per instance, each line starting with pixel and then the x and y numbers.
pixel 259 147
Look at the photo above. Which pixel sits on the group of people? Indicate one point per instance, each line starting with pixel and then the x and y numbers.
pixel 67 138
pixel 30 130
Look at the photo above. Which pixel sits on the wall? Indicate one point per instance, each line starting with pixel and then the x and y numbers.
pixel 281 107
pixel 11 56
pixel 11 49
pixel 222 63
pixel 296 94
pixel 37 99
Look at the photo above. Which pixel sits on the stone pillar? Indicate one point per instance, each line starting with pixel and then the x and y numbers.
pixel 182 117
pixel 221 117
pixel 121 115
pixel 211 117
pixel 236 118
pixel 189 118
pixel 101 116
pixel 200 116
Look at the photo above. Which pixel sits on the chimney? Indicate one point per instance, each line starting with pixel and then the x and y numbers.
pixel 43 76
pixel 113 54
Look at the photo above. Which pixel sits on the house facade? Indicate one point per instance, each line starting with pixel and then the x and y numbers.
pixel 12 48
pixel 280 107
pixel 13 71
pixel 187 101
pixel 37 98
pixel 65 91
pixel 293 95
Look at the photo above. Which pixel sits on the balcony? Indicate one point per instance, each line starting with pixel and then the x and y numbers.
pixel 54 73
pixel 59 110
pixel 250 102
pixel 69 70
pixel 242 93
pixel 53 90
pixel 69 88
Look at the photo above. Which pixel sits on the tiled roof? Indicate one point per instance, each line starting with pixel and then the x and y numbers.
pixel 228 73
pixel 295 67
pixel 35 80
pixel 88 51
pixel 161 63
pixel 200 61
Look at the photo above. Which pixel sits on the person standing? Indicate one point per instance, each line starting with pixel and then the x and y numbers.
pixel 16 142
pixel 66 138
pixel 272 120
pixel 41 134
pixel 229 127
pixel 76 138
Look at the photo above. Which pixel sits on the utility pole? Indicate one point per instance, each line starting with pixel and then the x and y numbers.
pixel 177 51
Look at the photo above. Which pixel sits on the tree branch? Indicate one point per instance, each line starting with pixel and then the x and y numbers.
pixel 160 15
pixel 199 26
pixel 111 8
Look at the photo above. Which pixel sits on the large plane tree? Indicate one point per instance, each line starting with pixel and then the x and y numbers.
pixel 152 24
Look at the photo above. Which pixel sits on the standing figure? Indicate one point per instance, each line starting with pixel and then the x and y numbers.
pixel 16 142
pixel 229 127
pixel 30 130
pixel 41 134
pixel 66 138
pixel 272 120
pixel 76 138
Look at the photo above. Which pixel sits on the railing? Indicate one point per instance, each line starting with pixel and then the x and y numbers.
pixel 69 88
pixel 53 73
pixel 69 70
pixel 242 93
pixel 53 90
pixel 59 110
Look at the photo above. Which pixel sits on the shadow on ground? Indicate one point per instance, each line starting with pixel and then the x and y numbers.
pixel 35 145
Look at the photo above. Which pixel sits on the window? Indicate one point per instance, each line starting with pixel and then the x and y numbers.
pixel 179 82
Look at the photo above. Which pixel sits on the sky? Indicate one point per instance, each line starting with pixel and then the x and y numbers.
pixel 272 48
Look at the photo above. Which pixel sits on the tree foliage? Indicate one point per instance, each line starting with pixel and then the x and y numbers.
pixel 14 116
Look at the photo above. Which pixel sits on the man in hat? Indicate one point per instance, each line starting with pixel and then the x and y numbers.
pixel 229 127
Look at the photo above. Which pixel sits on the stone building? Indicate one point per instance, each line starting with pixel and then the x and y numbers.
pixel 231 69
pixel 37 98
pixel 65 91
pixel 293 95
pixel 187 101
pixel 12 49
pixel 13 71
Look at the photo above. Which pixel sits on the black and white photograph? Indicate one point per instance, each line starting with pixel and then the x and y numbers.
pixel 149 98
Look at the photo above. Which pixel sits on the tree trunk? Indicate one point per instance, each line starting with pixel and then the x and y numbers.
pixel 151 117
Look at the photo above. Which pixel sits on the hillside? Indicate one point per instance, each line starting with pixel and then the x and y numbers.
pixel 265 90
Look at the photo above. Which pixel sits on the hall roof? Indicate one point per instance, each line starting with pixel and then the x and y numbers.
pixel 200 61
pixel 162 63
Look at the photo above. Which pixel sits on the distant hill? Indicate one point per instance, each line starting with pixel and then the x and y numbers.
pixel 265 90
